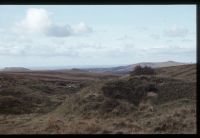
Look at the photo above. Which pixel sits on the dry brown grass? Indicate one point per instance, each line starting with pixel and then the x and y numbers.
pixel 170 108
pixel 183 72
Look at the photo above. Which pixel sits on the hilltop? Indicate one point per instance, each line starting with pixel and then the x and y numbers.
pixel 15 69
pixel 184 72
pixel 128 68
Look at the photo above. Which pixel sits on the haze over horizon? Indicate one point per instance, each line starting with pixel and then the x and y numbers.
pixel 84 66
pixel 96 35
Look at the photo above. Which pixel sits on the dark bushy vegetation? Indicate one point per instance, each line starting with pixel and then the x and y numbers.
pixel 136 88
pixel 132 90
pixel 138 70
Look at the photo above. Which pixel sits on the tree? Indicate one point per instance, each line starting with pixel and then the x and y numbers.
pixel 138 70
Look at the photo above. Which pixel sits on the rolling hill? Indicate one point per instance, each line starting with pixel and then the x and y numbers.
pixel 128 68
pixel 15 69
pixel 184 72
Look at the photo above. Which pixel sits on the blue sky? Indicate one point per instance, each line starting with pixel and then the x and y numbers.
pixel 75 35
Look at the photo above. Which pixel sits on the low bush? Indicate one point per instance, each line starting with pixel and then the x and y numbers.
pixel 133 90
pixel 138 70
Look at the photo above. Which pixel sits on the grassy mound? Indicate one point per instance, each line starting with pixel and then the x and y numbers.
pixel 122 97
pixel 135 89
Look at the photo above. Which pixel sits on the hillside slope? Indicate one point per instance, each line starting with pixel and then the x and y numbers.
pixel 164 103
pixel 184 72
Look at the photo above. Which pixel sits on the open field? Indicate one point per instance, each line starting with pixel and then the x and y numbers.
pixel 78 102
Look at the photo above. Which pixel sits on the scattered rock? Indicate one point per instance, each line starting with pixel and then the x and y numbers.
pixel 152 94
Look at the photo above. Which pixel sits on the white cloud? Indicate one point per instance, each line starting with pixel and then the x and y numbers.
pixel 39 21
pixel 176 31
pixel 13 50
pixel 67 30
pixel 36 20
pixel 81 28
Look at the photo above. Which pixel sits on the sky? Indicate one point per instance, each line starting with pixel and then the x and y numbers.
pixel 96 35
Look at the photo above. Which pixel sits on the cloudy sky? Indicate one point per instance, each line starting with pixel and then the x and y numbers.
pixel 42 35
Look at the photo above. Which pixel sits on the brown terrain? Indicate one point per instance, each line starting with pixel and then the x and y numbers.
pixel 81 102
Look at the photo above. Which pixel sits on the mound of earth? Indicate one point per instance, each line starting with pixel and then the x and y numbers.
pixel 124 96
pixel 137 88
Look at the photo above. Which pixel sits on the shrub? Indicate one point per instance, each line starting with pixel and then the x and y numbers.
pixel 138 70
pixel 131 91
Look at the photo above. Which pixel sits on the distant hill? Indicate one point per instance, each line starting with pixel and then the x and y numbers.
pixel 108 70
pixel 184 72
pixel 128 68
pixel 15 69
